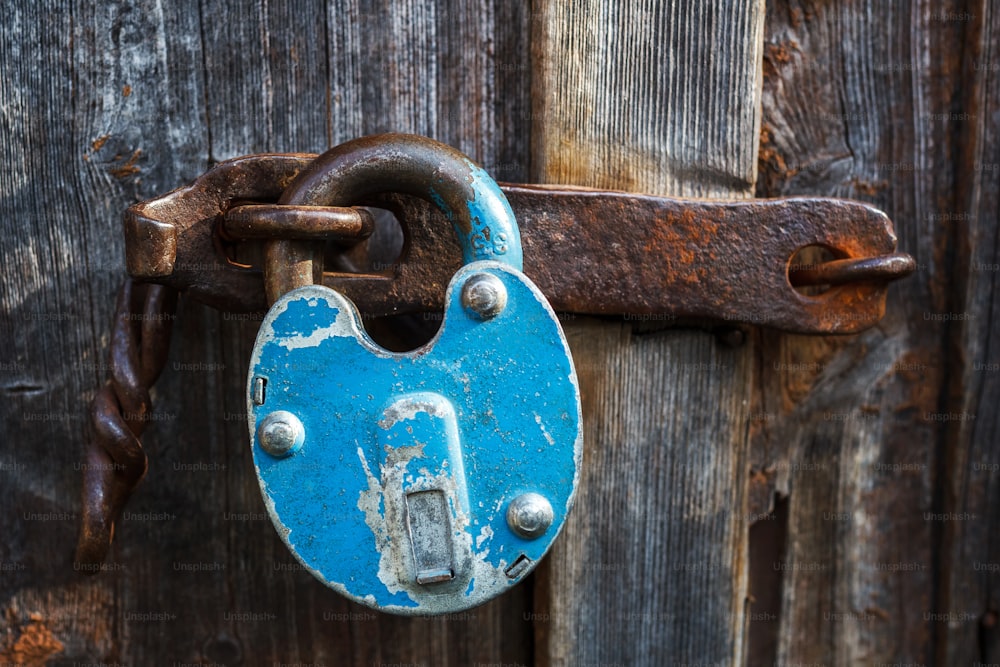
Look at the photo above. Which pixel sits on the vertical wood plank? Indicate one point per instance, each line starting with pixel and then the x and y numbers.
pixel 969 593
pixel 100 107
pixel 862 99
pixel 661 98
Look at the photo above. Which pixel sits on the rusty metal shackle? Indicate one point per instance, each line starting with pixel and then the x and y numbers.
pixel 396 163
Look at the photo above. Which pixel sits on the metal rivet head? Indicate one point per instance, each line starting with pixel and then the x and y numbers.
pixel 484 295
pixel 281 433
pixel 529 515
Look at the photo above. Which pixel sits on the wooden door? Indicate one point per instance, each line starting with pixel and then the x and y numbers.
pixel 751 498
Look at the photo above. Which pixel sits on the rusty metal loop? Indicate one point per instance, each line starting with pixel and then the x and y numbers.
pixel 284 221
pixel 115 461
pixel 397 163
pixel 843 271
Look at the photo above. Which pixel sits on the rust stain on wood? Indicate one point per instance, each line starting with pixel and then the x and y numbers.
pixel 772 167
pixel 868 188
pixel 781 52
pixel 129 167
pixel 34 644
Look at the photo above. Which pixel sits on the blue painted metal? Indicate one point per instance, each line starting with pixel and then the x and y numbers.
pixel 494 234
pixel 488 410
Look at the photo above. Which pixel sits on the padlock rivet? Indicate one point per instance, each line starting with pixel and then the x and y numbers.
pixel 529 515
pixel 281 433
pixel 484 295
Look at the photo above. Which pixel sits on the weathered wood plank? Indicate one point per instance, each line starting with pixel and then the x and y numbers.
pixel 860 101
pixel 970 481
pixel 673 84
pixel 651 569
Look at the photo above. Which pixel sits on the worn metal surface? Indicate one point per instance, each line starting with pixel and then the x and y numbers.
pixel 592 251
pixel 485 413
pixel 843 271
pixel 172 239
pixel 642 255
pixel 115 463
pixel 268 221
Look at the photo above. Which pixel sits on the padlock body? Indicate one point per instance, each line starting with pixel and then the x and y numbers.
pixel 399 493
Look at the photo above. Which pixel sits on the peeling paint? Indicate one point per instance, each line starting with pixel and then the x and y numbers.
pixel 485 535
pixel 548 438
pixel 406 410
pixel 339 327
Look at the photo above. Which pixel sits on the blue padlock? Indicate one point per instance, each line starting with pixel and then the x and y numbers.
pixel 430 481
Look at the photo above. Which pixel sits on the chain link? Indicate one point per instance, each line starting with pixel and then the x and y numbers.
pixel 115 460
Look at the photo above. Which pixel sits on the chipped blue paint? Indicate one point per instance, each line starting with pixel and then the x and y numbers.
pixel 486 411
pixel 494 233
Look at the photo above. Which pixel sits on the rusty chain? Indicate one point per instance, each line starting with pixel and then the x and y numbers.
pixel 140 341
pixel 115 460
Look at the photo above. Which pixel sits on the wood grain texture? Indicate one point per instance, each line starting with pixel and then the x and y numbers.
pixel 651 568
pixel 658 97
pixel 103 104
pixel 970 479
pixel 864 99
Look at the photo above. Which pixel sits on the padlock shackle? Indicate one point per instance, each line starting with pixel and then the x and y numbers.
pixel 400 163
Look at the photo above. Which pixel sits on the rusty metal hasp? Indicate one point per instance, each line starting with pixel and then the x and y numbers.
pixel 456 462
pixel 591 251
